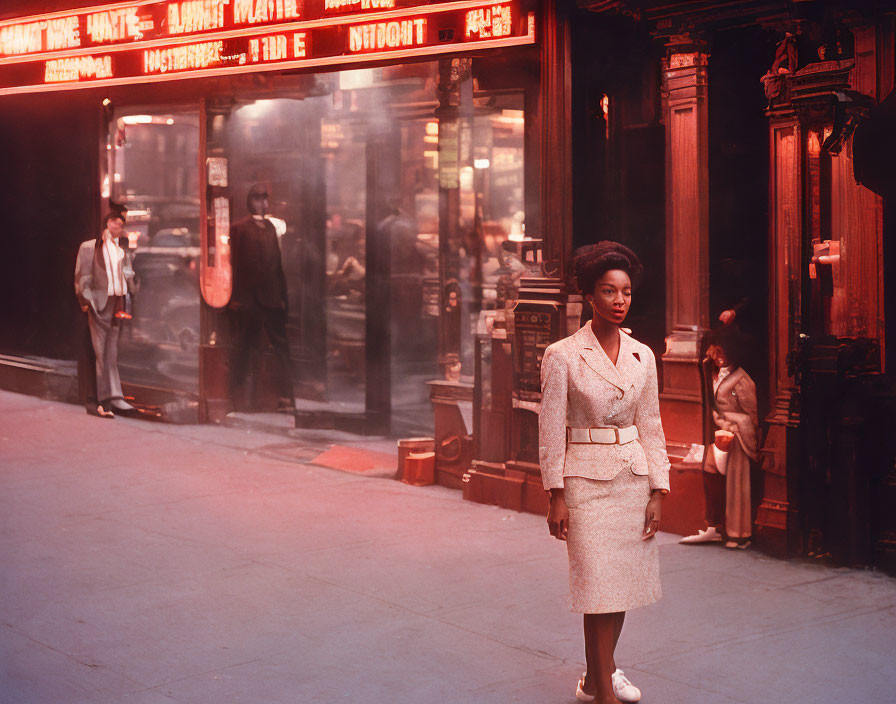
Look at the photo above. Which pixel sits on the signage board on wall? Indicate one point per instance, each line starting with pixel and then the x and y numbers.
pixel 140 41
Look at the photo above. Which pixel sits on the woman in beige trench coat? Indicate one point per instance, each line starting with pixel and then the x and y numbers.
pixel 603 459
pixel 731 442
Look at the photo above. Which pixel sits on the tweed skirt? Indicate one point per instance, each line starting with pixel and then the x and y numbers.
pixel 610 567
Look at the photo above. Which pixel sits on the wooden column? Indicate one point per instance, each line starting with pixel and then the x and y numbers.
pixel 555 122
pixel 776 521
pixel 687 238
pixel 857 213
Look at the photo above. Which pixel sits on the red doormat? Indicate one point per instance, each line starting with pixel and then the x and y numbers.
pixel 358 460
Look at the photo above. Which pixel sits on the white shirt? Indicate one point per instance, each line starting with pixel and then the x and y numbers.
pixel 723 372
pixel 112 256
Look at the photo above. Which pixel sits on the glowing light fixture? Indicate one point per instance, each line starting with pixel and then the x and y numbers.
pixel 256 109
pixel 360 78
pixel 814 145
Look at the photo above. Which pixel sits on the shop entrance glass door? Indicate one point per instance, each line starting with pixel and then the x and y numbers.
pixel 151 170
pixel 316 203
pixel 396 242
pixel 343 196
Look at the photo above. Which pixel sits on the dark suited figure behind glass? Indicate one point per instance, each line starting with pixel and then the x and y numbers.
pixel 258 303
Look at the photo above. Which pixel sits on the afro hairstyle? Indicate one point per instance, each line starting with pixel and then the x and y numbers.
pixel 592 261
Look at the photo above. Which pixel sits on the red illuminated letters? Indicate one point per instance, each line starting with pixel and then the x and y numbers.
pixel 256 11
pixel 299 45
pixel 365 5
pixel 273 48
pixel 46 35
pixel 21 38
pixel 182 58
pixel 484 23
pixel 377 36
pixel 124 42
pixel 77 68
pixel 190 16
pixel 63 33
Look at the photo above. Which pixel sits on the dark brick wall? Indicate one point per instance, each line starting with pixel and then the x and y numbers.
pixel 49 200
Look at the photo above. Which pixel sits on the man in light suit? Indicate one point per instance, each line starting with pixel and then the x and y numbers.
pixel 100 285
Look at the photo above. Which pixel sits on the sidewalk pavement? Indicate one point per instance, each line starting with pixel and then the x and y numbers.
pixel 153 563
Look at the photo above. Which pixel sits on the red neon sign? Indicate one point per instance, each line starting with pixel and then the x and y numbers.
pixel 145 40
pixel 392 34
pixel 487 22
pixel 335 6
pixel 77 68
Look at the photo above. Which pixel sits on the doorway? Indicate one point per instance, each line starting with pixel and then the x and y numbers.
pixel 359 185
pixel 352 196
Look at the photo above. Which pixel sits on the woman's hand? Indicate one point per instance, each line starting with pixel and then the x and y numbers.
pixel 725 424
pixel 558 515
pixel 653 514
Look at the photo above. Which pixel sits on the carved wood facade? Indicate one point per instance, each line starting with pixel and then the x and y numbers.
pixel 827 247
pixel 685 109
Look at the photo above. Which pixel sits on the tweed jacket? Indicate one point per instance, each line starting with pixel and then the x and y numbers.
pixel 734 409
pixel 582 388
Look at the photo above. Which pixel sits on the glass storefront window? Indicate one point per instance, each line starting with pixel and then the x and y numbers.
pixel 152 170
pixel 374 246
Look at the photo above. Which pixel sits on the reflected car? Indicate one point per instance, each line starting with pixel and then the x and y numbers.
pixel 166 306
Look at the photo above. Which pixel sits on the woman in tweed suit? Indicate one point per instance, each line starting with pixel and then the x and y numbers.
pixel 603 459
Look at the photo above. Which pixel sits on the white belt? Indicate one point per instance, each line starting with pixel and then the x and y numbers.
pixel 602 436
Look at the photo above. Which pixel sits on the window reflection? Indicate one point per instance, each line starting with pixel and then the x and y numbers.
pixel 153 166
pixel 396 244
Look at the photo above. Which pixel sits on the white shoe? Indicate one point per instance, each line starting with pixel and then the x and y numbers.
pixel 580 693
pixel 625 691
pixel 710 535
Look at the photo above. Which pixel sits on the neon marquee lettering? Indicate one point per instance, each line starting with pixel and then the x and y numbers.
pixel 21 38
pixel 63 33
pixel 257 11
pixel 488 22
pixel 272 48
pixel 78 68
pixel 299 45
pixel 377 36
pixel 358 4
pixel 52 35
pixel 182 58
pixel 163 40
pixel 190 16
pixel 113 25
